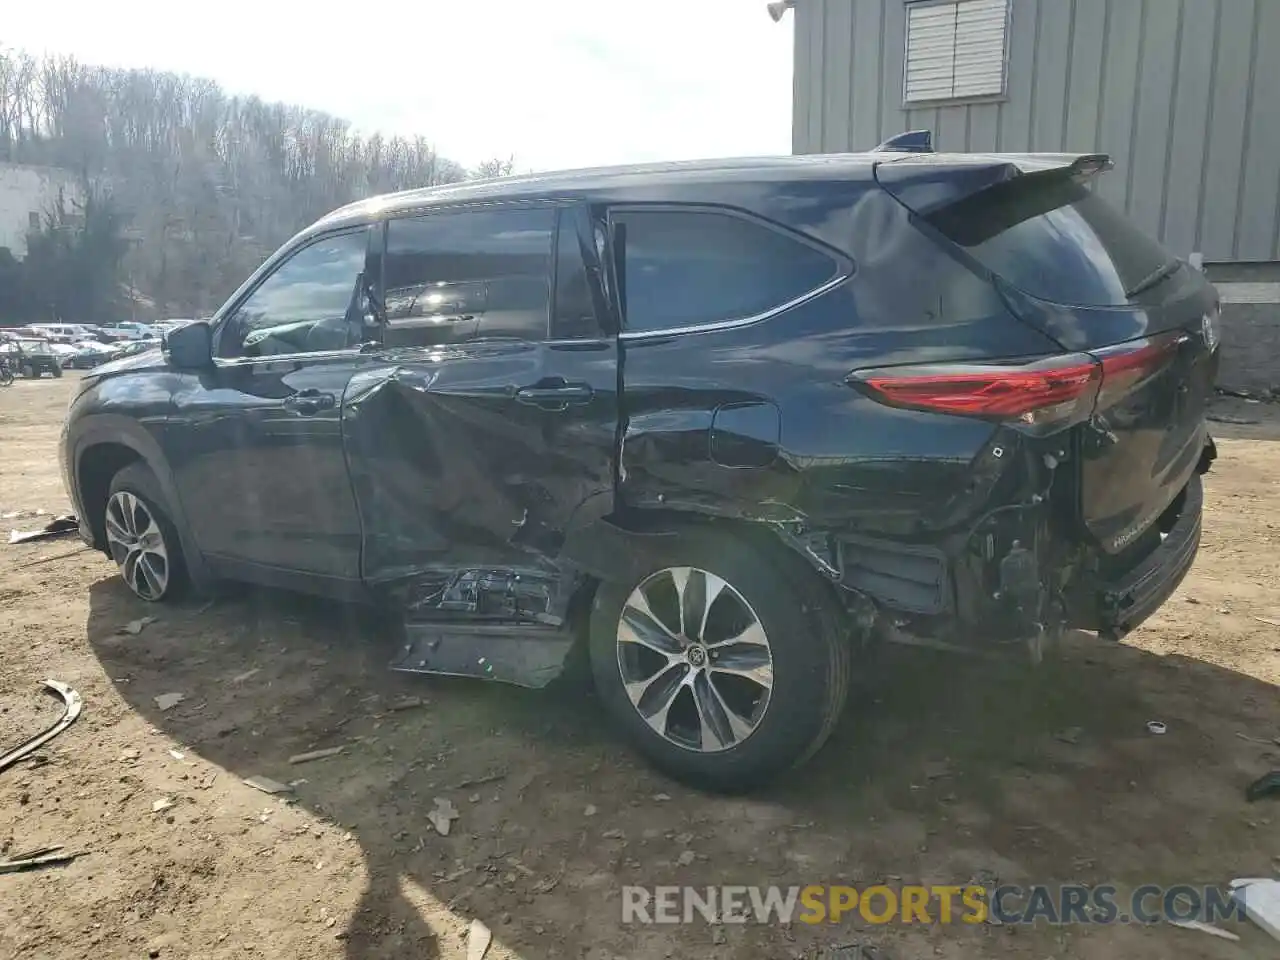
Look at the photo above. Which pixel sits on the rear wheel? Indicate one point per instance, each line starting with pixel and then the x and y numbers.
pixel 718 663
pixel 28 372
pixel 140 536
pixel 57 370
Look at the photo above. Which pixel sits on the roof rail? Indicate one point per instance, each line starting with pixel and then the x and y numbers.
pixel 913 141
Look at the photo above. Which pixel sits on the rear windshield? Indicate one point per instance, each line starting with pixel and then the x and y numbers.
pixel 1056 240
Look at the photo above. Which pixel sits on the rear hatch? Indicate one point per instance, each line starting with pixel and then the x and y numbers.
pixel 1073 267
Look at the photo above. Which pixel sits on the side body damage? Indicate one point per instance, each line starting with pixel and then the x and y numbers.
pixel 485 479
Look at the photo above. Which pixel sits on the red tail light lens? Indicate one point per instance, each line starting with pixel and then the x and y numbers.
pixel 1035 393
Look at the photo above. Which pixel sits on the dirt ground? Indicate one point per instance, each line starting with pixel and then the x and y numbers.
pixel 949 771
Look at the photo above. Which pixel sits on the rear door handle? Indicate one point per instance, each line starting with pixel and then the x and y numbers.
pixel 555 393
pixel 308 402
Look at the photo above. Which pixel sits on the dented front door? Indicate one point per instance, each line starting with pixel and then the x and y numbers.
pixel 473 453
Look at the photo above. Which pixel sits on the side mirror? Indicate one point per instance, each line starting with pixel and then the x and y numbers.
pixel 190 347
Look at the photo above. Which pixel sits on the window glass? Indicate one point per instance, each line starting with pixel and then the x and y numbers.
pixel 574 316
pixel 685 268
pixel 1055 239
pixel 302 306
pixel 454 276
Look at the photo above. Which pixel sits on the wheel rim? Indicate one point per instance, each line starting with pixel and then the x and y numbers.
pixel 137 545
pixel 695 660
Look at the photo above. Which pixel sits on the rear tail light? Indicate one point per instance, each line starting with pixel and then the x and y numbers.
pixel 1034 393
pixel 1043 393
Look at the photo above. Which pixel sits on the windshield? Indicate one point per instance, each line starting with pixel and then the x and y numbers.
pixel 1057 240
pixel 34 346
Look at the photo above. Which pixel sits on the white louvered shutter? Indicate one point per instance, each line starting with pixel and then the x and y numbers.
pixel 955 50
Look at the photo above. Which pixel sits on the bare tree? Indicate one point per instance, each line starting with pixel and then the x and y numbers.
pixel 208 183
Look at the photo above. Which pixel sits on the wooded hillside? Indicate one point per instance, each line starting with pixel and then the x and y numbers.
pixel 204 184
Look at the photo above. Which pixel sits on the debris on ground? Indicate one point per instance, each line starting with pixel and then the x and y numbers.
pixel 1070 735
pixel 1273 742
pixel 1227 418
pixel 442 815
pixel 167 701
pixel 72 705
pixel 1269 621
pixel 1204 928
pixel 47 857
pixel 1156 727
pixel 662 797
pixel 1260 898
pixel 479 781
pixel 686 858
pixel 406 703
pixel 129 756
pixel 57 527
pixel 242 677
pixel 1267 785
pixel 316 755
pixel 266 784
pixel 163 804
pixel 135 627
pixel 177 755
pixel 478 939
pixel 590 810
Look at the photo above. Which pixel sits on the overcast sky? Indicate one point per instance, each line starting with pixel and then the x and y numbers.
pixel 557 83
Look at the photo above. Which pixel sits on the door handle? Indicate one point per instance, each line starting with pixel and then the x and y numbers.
pixel 307 402
pixel 555 393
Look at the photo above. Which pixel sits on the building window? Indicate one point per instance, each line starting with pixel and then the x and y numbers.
pixel 956 50
pixel 33 220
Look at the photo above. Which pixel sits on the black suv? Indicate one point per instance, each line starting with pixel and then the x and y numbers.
pixel 727 424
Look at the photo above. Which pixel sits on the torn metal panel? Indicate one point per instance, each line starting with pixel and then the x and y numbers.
pixel 520 594
pixel 517 654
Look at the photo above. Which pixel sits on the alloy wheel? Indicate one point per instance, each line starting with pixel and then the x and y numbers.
pixel 695 660
pixel 137 545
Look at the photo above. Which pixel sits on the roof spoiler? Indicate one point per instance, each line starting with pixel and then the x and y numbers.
pixel 913 141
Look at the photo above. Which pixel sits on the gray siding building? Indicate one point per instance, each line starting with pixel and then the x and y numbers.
pixel 1183 94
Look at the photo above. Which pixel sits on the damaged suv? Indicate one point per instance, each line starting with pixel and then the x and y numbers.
pixel 722 426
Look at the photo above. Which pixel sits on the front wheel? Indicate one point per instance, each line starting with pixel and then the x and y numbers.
pixel 141 538
pixel 57 370
pixel 724 664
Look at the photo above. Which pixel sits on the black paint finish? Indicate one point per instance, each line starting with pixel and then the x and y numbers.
pixel 474 472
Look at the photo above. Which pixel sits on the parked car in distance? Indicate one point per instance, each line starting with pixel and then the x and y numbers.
pixel 63 332
pixel 727 425
pixel 89 354
pixel 31 358
pixel 130 330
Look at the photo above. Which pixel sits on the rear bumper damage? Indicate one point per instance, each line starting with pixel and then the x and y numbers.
pixel 1129 600
pixel 1012 587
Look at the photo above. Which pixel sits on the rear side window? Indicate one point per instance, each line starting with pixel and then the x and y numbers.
pixel 686 268
pixel 1056 240
pixel 454 276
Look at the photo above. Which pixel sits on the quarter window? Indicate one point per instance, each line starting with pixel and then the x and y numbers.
pixel 302 306
pixel 687 267
pixel 454 276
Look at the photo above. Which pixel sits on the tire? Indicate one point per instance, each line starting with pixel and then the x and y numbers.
pixel 772 730
pixel 28 372
pixel 135 514
pixel 57 370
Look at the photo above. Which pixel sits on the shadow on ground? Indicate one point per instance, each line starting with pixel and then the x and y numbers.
pixel 943 772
